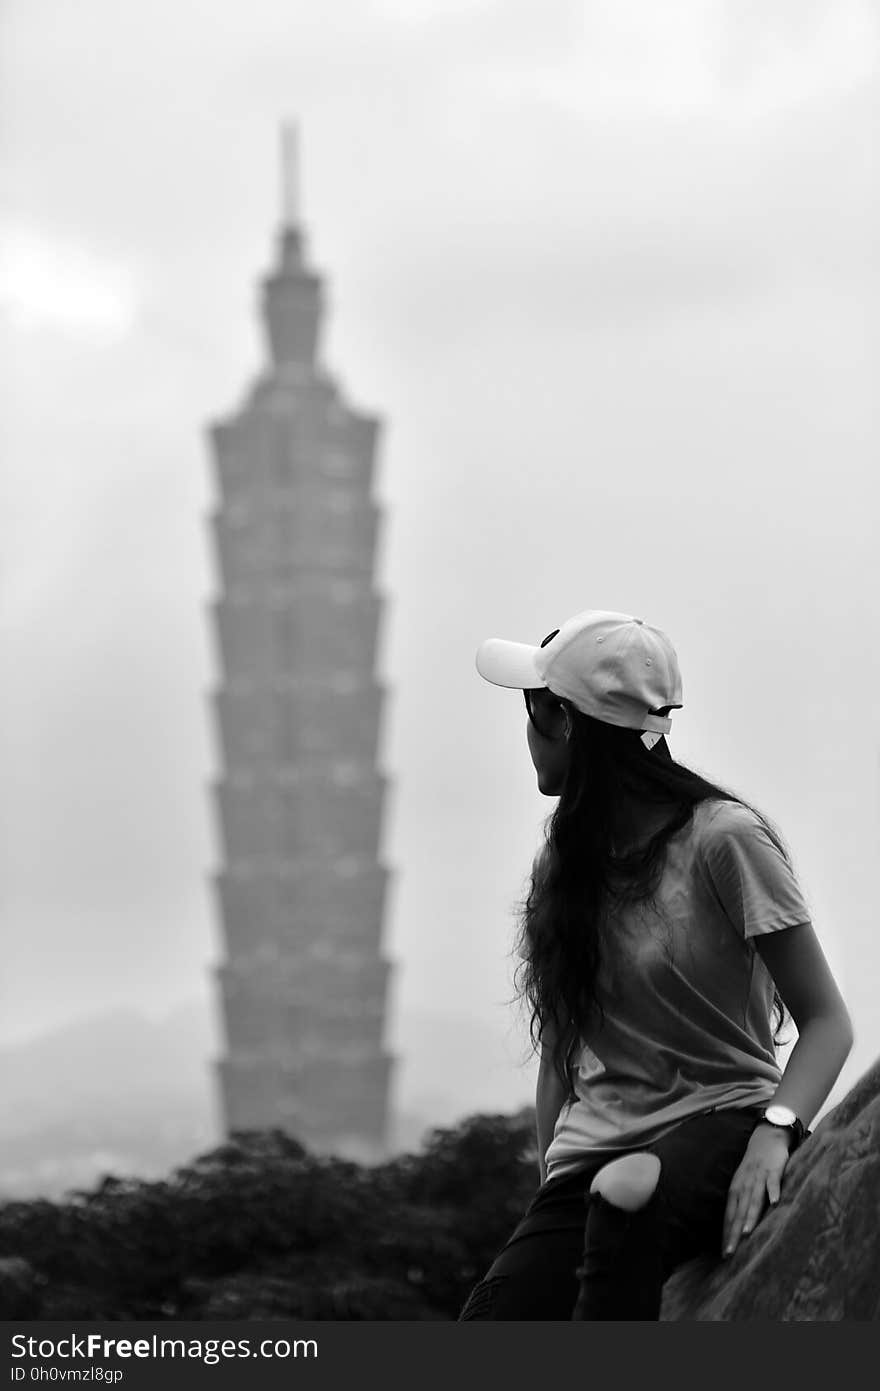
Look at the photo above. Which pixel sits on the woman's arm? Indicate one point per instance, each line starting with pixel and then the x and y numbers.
pixel 549 1096
pixel 755 884
pixel 795 960
pixel 797 964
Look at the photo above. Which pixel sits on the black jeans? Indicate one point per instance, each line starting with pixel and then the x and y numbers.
pixel 575 1255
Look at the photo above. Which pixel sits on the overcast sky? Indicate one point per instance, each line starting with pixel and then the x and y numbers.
pixel 609 273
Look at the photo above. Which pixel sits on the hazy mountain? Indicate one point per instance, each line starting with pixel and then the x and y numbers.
pixel 127 1094
pixel 115 1093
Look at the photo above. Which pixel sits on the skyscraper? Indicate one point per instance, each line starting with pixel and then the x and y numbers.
pixel 301 892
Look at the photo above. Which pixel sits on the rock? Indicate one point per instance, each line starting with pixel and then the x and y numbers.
pixel 816 1256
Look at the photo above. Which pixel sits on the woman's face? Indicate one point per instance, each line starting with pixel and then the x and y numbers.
pixel 547 744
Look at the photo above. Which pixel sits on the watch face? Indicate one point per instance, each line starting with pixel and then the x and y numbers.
pixel 780 1115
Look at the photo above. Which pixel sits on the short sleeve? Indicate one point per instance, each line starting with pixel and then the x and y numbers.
pixel 748 875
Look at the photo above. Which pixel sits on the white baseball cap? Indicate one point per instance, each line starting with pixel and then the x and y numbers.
pixel 609 665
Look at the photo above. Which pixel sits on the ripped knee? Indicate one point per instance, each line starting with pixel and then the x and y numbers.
pixel 628 1182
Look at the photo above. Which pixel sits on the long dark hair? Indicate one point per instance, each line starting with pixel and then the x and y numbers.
pixel 584 866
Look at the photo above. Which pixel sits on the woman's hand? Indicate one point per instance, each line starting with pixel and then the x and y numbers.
pixel 758 1177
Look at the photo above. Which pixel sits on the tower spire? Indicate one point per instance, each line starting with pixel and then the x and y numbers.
pixel 292 292
pixel 290 175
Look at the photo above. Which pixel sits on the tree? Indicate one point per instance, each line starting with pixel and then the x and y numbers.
pixel 259 1227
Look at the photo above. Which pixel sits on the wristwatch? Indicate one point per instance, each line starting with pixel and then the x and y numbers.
pixel 785 1119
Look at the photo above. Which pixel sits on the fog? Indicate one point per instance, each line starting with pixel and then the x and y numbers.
pixel 609 274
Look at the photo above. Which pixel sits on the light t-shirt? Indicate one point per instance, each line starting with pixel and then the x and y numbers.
pixel 687 998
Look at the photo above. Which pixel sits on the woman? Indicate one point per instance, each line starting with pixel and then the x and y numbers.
pixel 662 931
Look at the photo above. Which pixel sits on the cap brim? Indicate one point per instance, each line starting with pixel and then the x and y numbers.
pixel 509 664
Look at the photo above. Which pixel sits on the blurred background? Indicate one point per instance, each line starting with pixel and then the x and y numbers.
pixel 608 273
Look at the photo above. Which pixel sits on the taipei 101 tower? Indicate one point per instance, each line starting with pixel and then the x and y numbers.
pixel 301 892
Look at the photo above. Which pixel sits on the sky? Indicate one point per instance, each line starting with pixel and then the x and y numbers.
pixel 608 271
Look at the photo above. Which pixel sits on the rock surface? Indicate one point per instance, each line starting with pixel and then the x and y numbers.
pixel 816 1256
